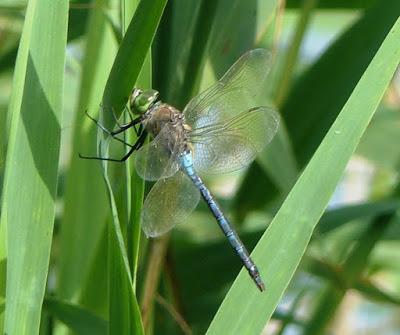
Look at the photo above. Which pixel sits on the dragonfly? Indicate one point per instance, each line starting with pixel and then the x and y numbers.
pixel 219 131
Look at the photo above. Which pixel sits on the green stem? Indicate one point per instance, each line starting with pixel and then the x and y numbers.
pixel 291 58
pixel 198 50
pixel 162 52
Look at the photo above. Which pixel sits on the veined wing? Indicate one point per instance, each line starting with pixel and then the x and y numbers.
pixel 233 94
pixel 226 147
pixel 169 202
pixel 227 126
pixel 158 159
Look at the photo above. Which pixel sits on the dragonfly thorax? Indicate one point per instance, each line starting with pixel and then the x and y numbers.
pixel 170 122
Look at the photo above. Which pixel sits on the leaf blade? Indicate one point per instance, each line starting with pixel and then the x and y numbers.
pixel 28 205
pixel 280 249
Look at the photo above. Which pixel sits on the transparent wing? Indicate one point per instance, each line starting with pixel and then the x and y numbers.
pixel 232 145
pixel 169 202
pixel 227 127
pixel 233 94
pixel 157 159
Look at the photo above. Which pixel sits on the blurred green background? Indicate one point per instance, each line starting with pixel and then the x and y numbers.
pixel 348 280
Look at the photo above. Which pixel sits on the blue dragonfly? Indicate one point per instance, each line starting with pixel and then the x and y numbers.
pixel 220 130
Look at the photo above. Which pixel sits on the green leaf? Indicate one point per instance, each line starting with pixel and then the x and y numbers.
pixel 372 292
pixel 131 55
pixel 335 218
pixel 279 251
pixel 198 51
pixel 137 190
pixel 77 21
pixel 318 96
pixel 382 132
pixel 29 193
pixel 336 275
pixel 124 313
pixel 75 317
pixel 85 197
pixel 320 92
pixel 334 4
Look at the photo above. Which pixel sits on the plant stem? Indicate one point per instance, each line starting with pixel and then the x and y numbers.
pixel 291 58
pixel 198 51
pixel 156 259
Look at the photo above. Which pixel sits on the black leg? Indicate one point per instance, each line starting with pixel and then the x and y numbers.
pixel 136 146
pixel 128 110
pixel 124 127
pixel 138 131
pixel 116 119
pixel 113 133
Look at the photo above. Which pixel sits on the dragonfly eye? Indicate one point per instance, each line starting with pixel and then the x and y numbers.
pixel 140 101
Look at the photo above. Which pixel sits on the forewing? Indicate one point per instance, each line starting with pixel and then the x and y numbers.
pixel 236 92
pixel 228 129
pixel 168 203
pixel 157 159
pixel 233 145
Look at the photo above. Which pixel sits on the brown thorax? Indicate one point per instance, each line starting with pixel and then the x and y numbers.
pixel 168 119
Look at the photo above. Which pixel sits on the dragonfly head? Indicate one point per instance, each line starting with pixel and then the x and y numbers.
pixel 140 101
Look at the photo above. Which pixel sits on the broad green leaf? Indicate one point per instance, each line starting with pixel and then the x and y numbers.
pixel 77 21
pixel 29 193
pixel 317 97
pixel 13 3
pixel 191 64
pixel 92 296
pixel 79 320
pixel 7 60
pixel 172 46
pixel 131 55
pixel 383 132
pixel 85 197
pixel 286 75
pixel 279 251
pixel 334 4
pixel 198 51
pixel 278 161
pixel 78 14
pixel 320 92
pixel 335 218
pixel 134 184
pixel 137 190
pixel 124 313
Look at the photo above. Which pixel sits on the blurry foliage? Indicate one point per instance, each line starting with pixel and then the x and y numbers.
pixel 101 268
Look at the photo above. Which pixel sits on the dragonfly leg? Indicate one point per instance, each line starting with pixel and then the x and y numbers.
pixel 126 126
pixel 115 117
pixel 138 131
pixel 131 116
pixel 133 121
pixel 139 142
pixel 121 129
pixel 123 126
pixel 98 124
